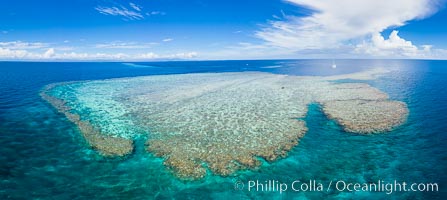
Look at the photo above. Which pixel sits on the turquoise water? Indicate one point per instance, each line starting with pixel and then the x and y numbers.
pixel 43 155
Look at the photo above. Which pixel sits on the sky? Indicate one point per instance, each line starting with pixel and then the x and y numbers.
pixel 145 30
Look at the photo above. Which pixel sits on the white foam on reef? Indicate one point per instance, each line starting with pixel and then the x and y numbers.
pixel 224 121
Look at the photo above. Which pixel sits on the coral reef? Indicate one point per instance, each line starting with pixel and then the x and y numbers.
pixel 223 122
pixel 106 145
pixel 365 116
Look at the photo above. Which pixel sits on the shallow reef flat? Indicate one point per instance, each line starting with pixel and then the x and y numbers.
pixel 223 122
pixel 106 144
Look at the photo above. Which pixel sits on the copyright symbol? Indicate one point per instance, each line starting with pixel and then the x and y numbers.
pixel 238 185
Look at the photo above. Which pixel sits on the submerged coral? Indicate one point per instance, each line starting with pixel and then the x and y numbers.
pixel 106 145
pixel 365 116
pixel 360 108
pixel 218 121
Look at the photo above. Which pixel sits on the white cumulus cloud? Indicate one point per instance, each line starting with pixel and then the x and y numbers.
pixel 336 24
pixel 394 45
pixel 397 47
pixel 49 53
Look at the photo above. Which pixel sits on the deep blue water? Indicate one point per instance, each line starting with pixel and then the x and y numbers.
pixel 43 156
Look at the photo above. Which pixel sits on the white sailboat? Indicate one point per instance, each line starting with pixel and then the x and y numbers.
pixel 333 64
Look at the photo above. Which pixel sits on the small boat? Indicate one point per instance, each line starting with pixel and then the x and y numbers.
pixel 333 64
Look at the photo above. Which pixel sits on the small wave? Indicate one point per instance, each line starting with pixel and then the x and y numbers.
pixel 138 65
pixel 271 67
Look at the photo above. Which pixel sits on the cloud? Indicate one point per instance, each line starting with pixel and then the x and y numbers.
pixel 167 40
pixel 12 54
pixel 23 45
pixel 131 12
pixel 151 56
pixel 396 47
pixel 155 13
pixel 334 24
pixel 394 41
pixel 135 6
pixel 246 50
pixel 18 50
pixel 49 53
pixel 64 48
pixel 21 54
pixel 187 55
pixel 52 54
pixel 125 45
pixel 128 13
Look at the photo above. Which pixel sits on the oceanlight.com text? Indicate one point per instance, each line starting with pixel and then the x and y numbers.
pixel 387 187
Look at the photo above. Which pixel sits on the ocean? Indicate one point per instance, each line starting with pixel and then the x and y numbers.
pixel 43 155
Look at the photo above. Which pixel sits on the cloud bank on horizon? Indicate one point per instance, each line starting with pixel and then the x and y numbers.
pixel 328 29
